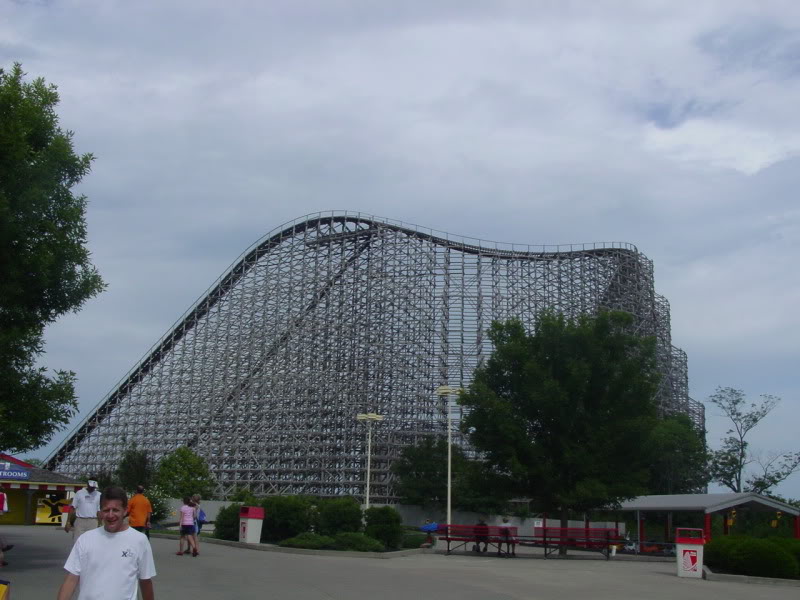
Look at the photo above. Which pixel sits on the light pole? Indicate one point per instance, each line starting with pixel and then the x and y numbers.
pixel 369 418
pixel 444 392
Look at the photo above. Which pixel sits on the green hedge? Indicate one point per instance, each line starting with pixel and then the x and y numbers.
pixel 356 541
pixel 385 524
pixel 337 515
pixel 226 525
pixel 413 539
pixel 750 556
pixel 285 517
pixel 308 540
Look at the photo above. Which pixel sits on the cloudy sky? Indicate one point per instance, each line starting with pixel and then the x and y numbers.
pixel 670 125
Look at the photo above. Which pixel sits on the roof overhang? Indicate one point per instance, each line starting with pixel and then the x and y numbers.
pixel 707 503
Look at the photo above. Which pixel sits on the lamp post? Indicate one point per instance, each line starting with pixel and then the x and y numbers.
pixel 444 392
pixel 369 418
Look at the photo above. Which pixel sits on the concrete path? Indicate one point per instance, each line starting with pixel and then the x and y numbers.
pixel 222 572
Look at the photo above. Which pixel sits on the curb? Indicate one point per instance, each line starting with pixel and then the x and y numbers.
pixel 709 575
pixel 306 551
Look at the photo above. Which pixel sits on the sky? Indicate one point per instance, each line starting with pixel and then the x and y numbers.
pixel 669 125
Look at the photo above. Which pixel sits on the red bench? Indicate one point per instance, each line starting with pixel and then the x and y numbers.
pixel 461 536
pixel 583 538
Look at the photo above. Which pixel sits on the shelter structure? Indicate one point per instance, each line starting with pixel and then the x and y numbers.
pixel 708 505
pixel 338 314
pixel 26 486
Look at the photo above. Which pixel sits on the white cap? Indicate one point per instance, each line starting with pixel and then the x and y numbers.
pixel 92 483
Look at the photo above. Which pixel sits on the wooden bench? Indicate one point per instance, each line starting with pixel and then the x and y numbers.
pixel 597 539
pixel 461 536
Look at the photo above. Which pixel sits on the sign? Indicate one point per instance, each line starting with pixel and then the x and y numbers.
pixel 689 561
pixel 9 470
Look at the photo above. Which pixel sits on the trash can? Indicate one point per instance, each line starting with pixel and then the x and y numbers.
pixel 250 520
pixel 689 552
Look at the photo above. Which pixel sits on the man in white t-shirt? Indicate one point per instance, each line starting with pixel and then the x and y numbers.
pixel 85 511
pixel 108 561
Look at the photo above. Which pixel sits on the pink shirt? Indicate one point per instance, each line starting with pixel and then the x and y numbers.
pixel 187 515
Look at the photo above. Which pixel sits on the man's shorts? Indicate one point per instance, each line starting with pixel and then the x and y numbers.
pixel 187 529
pixel 143 529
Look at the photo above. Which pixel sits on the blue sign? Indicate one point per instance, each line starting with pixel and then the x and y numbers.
pixel 9 470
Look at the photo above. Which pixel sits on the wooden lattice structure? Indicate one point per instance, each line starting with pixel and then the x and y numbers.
pixel 337 314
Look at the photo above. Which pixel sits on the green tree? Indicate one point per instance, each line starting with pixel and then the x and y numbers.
pixel 729 463
pixel 45 270
pixel 421 478
pixel 183 473
pixel 135 468
pixel 563 414
pixel 679 458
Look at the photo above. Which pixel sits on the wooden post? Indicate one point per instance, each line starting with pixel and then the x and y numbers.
pixel 725 521
pixel 707 528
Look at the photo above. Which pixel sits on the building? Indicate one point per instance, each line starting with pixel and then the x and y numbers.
pixel 28 488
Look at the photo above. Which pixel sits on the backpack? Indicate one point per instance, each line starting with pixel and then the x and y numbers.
pixel 201 516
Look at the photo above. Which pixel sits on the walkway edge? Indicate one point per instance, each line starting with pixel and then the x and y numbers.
pixel 711 576
pixel 275 548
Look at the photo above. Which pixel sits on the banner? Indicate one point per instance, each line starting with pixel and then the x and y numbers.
pixel 9 470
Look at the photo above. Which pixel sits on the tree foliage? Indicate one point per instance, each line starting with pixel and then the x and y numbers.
pixel 45 269
pixel 729 463
pixel 563 415
pixel 183 473
pixel 135 468
pixel 679 458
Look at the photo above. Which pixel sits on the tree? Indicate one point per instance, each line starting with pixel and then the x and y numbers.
pixel 45 270
pixel 183 473
pixel 729 463
pixel 421 478
pixel 135 468
pixel 679 458
pixel 563 415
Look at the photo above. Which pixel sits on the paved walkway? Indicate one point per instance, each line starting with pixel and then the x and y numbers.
pixel 222 572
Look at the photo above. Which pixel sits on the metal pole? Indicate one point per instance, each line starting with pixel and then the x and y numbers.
pixel 449 463
pixel 369 457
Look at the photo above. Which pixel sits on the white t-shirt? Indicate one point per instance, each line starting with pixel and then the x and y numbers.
pixel 110 565
pixel 86 505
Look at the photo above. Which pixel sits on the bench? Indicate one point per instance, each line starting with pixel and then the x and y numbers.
pixel 598 539
pixel 461 536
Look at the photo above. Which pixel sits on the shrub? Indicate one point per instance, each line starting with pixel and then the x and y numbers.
pixel 718 552
pixel 750 556
pixel 308 540
pixel 337 515
pixel 226 525
pixel 384 524
pixel 285 517
pixel 158 500
pixel 413 539
pixel 350 540
pixel 791 545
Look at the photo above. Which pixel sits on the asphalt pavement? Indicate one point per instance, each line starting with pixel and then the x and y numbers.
pixel 36 571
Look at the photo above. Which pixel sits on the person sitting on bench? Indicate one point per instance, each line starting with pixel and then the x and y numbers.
pixel 481 536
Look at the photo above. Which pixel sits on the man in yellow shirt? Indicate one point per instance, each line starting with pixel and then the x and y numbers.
pixel 139 512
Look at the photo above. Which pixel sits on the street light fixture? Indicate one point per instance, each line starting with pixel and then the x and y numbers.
pixel 445 391
pixel 369 418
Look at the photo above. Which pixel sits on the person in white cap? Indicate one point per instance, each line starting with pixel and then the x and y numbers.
pixel 85 514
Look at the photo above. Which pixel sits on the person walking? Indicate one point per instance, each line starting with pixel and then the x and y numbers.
pixel 85 514
pixel 187 527
pixel 140 511
pixel 199 519
pixel 109 561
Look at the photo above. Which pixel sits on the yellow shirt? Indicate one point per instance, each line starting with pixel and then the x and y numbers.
pixel 138 509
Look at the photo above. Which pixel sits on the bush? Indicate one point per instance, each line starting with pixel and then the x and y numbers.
pixel 791 545
pixel 158 500
pixel 384 524
pixel 337 515
pixel 358 542
pixel 751 556
pixel 226 525
pixel 285 517
pixel 762 559
pixel 413 539
pixel 308 540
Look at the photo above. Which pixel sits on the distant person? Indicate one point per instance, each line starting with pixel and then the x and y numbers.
pixel 187 527
pixel 109 561
pixel 199 519
pixel 481 536
pixel 510 540
pixel 85 514
pixel 3 546
pixel 140 511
